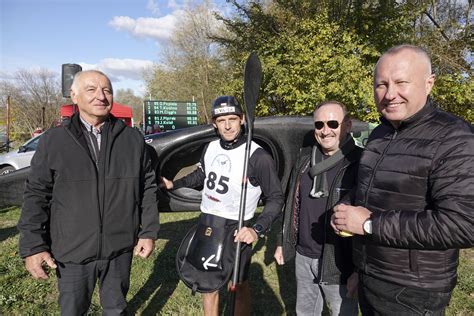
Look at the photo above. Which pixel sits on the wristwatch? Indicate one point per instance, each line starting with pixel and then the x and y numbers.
pixel 367 226
pixel 258 228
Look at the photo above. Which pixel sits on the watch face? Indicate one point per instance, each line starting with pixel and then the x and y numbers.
pixel 258 228
pixel 368 226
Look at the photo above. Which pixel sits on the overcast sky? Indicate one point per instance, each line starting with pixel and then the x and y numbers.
pixel 120 37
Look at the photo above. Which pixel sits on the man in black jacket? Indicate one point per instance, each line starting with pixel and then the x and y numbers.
pixel 414 200
pixel 321 176
pixel 90 200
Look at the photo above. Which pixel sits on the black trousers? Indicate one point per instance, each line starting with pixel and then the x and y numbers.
pixel 377 297
pixel 76 283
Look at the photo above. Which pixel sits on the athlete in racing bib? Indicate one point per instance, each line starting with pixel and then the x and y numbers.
pixel 207 251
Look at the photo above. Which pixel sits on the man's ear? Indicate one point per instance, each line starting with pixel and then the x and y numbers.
pixel 242 120
pixel 429 83
pixel 73 97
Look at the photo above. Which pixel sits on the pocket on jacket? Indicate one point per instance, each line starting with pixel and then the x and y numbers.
pixel 136 220
pixel 57 235
pixel 121 227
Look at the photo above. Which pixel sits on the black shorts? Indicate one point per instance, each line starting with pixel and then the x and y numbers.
pixel 246 249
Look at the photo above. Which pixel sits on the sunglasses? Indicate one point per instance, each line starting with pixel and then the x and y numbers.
pixel 332 124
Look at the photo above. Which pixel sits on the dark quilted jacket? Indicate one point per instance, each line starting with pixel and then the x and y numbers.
pixel 418 180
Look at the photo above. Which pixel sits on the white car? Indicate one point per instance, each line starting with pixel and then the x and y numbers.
pixel 20 158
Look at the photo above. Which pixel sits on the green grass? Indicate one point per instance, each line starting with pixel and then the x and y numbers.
pixel 156 289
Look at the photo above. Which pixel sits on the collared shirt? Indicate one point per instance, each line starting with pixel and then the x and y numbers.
pixel 93 137
pixel 91 129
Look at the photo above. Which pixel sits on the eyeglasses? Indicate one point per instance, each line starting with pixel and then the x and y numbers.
pixel 332 124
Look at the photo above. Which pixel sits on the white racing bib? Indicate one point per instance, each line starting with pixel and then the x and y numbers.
pixel 223 184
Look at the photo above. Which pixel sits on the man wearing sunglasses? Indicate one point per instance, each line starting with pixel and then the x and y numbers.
pixel 414 199
pixel 322 175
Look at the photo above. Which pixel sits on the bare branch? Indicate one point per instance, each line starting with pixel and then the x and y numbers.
pixel 436 24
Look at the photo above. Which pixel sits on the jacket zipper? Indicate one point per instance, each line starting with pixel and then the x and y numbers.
pixel 364 254
pixel 101 186
pixel 376 166
pixel 296 207
pixel 330 197
pixel 99 246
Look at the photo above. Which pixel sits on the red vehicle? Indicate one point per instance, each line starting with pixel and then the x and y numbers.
pixel 120 111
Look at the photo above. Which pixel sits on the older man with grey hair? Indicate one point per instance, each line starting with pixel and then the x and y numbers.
pixel 90 200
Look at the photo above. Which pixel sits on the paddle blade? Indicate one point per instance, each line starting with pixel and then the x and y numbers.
pixel 252 81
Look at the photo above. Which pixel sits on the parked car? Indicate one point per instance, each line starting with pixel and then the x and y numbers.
pixel 20 158
pixel 176 153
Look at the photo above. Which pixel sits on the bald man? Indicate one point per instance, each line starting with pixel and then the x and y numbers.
pixel 414 202
pixel 321 176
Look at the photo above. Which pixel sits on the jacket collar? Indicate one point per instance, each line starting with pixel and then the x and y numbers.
pixel 112 124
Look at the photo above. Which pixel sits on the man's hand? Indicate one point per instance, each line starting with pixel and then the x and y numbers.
pixel 352 284
pixel 279 255
pixel 168 184
pixel 246 235
pixel 349 218
pixel 144 247
pixel 34 264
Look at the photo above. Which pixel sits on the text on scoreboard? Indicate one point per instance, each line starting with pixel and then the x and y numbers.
pixel 170 115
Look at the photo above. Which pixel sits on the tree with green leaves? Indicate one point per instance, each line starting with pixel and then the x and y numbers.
pixel 307 59
pixel 317 50
pixel 191 66
pixel 127 97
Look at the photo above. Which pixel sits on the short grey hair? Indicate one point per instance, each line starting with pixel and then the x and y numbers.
pixel 416 49
pixel 77 79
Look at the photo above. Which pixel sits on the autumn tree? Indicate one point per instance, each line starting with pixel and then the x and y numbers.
pixel 191 65
pixel 35 100
pixel 128 97
pixel 306 58
pixel 316 50
pixel 443 28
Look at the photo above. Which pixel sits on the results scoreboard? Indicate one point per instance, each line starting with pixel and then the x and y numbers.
pixel 169 115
